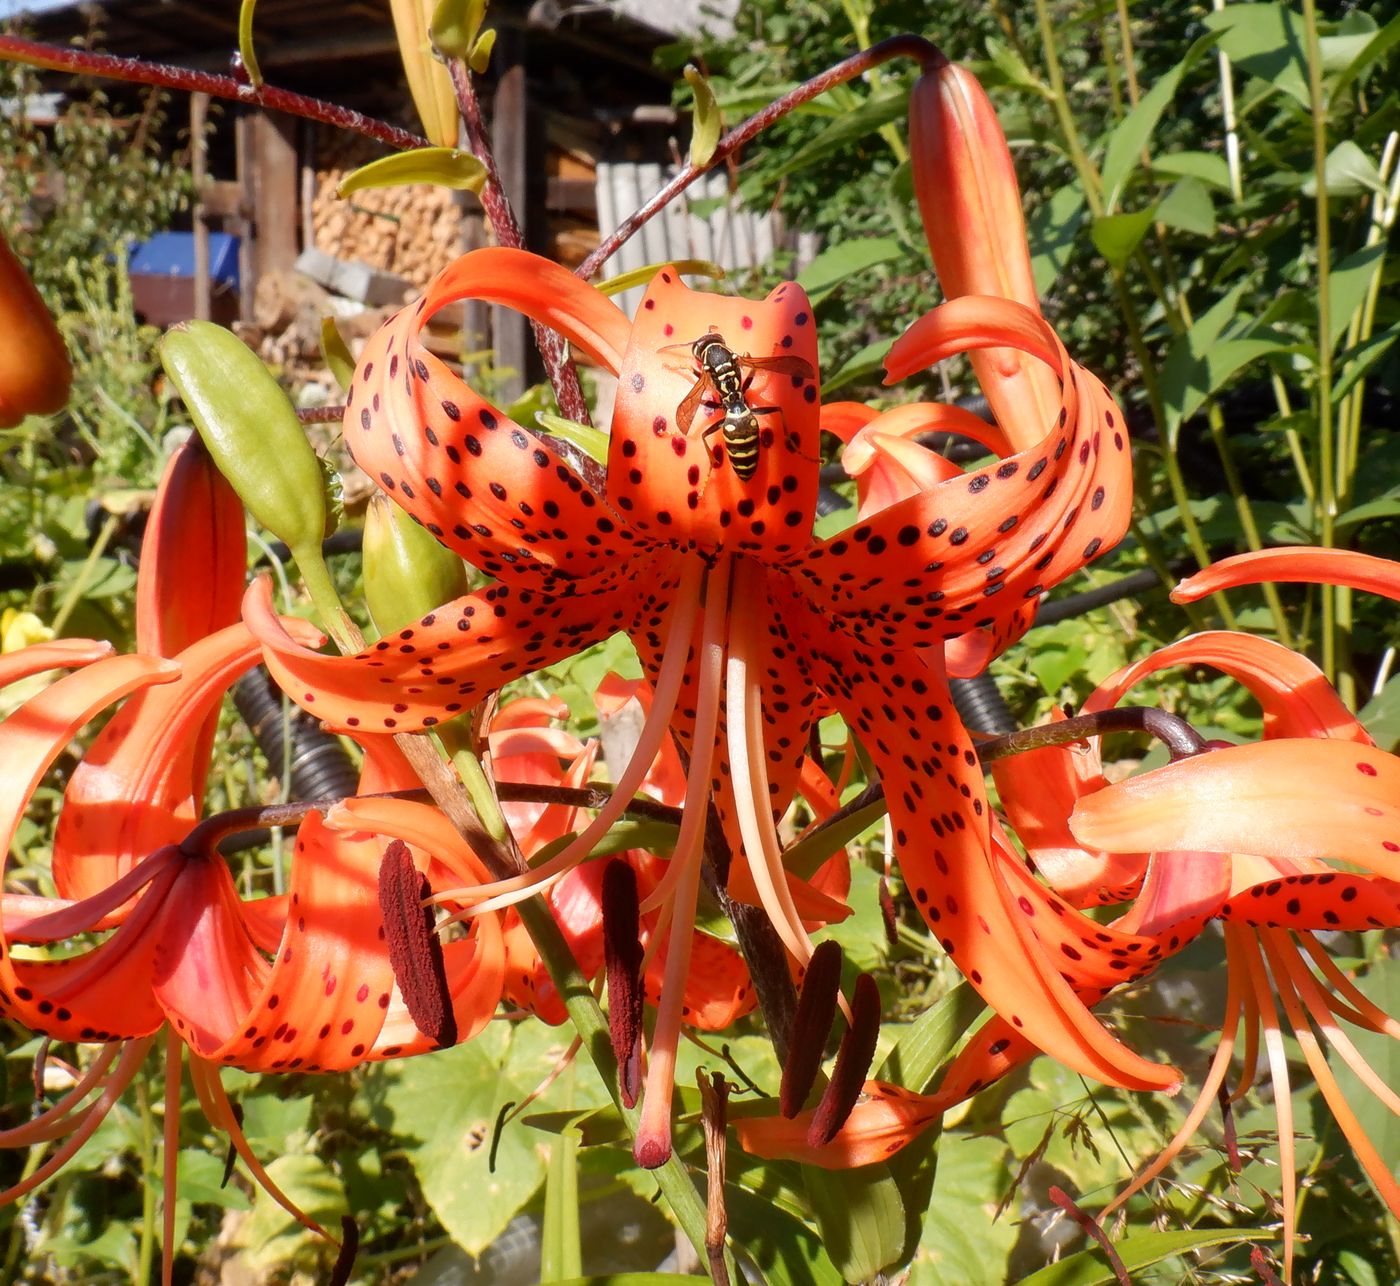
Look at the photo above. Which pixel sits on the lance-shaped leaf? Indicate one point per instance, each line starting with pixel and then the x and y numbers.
pixel 444 167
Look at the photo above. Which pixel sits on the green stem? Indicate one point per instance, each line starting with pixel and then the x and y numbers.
pixel 84 576
pixel 317 578
pixel 1326 464
pixel 150 1182
pixel 592 1027
pixel 1244 510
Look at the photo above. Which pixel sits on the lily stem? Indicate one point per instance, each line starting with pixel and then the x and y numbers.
pixel 928 55
pixel 85 62
pixel 563 375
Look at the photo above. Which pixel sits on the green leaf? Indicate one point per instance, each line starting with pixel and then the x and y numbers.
pixel 1052 232
pixel 1089 1268
pixel 1015 68
pixel 592 442
pixel 455 26
pixel 337 354
pixel 644 274
pixel 628 1279
pixel 846 258
pixel 447 167
pixel 450 1103
pixel 1198 363
pixel 861 1217
pixel 848 129
pixel 963 1244
pixel 806 855
pixel 1349 171
pixel 1375 48
pixel 480 57
pixel 706 121
pixel 1347 286
pixel 922 1047
pixel 1129 140
pixel 859 366
pixel 1209 167
pixel 1267 41
pixel 1356 362
pixel 1188 207
pixel 1116 236
pixel 1381 715
pixel 787 1251
pixel 561 1255
pixel 1358 515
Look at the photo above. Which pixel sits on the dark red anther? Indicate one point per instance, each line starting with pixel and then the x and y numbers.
pixel 622 952
pixel 349 1248
pixel 415 950
pixel 816 1011
pixel 888 913
pixel 231 1157
pixel 1092 1228
pixel 853 1061
pixel 1227 1116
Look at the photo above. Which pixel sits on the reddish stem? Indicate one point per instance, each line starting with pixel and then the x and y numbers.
pixel 563 376
pixel 929 56
pixel 86 63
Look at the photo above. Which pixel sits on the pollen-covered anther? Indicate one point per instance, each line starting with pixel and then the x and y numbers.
pixel 415 950
pixel 622 953
pixel 816 1011
pixel 853 1061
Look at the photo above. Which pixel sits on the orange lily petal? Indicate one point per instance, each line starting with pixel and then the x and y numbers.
pixel 1294 563
pixel 1246 799
pixel 60 654
pixel 661 477
pixel 884 1119
pixel 453 657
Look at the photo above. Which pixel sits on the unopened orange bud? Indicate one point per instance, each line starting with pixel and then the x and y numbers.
pixel 34 371
pixel 971 206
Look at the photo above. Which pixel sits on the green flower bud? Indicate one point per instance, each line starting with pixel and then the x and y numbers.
pixel 252 431
pixel 407 573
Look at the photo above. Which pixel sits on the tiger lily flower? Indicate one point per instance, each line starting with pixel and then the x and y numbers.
pixel 748 627
pixel 302 981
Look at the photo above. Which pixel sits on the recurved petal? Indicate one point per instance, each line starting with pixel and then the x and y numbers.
pixel 1295 563
pixel 1296 699
pixel 141 783
pixel 884 1119
pixel 453 657
pixel 662 477
pixel 982 545
pixel 938 807
pixel 1300 798
pixel 1334 900
pixel 486 487
pixel 60 654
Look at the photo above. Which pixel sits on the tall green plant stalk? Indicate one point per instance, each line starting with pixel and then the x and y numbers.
pixel 1336 604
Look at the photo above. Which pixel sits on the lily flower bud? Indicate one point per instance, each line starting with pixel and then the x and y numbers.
pixel 966 187
pixel 193 556
pixel 35 374
pixel 251 429
pixel 428 80
pixel 407 573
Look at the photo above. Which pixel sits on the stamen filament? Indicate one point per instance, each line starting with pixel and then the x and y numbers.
pixel 749 774
pixel 58 1120
pixel 503 893
pixel 653 1143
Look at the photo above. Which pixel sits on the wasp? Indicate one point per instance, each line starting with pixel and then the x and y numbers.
pixel 722 372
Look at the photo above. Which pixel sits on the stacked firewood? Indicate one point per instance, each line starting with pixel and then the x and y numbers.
pixel 413 231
